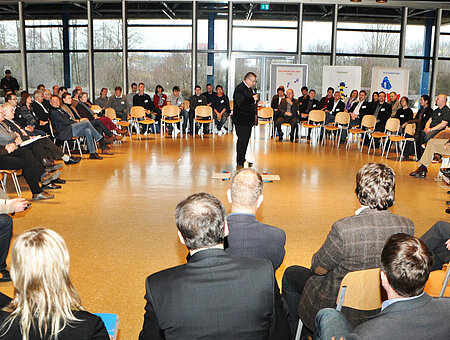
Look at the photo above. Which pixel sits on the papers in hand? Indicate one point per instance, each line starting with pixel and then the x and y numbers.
pixel 31 140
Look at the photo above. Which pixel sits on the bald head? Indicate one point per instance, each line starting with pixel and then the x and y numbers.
pixel 246 190
pixel 441 100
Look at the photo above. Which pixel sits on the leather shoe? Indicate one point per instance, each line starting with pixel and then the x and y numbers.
pixel 95 156
pixel 44 195
pixel 52 167
pixel 59 181
pixel 51 186
pixel 107 151
pixel 122 131
pixel 6 277
pixel 116 137
pixel 421 172
pixel 447 210
pixel 50 177
pixel 71 160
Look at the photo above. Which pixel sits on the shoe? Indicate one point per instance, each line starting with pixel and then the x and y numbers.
pixel 74 160
pixel 44 195
pixel 6 277
pixel 52 167
pixel 51 186
pixel 250 164
pixel 445 170
pixel 117 137
pixel 447 210
pixel 421 172
pixel 50 177
pixel 95 155
pixel 122 131
pixel 59 181
pixel 239 167
pixel 107 152
pixel 280 137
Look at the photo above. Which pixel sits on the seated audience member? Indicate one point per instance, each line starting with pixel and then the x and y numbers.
pixel 304 96
pixel 409 313
pixel 421 119
pixel 308 105
pixel 276 100
pixel 439 144
pixel 14 158
pixel 353 98
pixel 7 206
pixel 395 104
pixel 66 128
pixel 221 109
pixel 382 112
pixel 159 99
pixel 196 99
pixel 359 109
pixel 437 239
pixel 43 149
pixel 439 118
pixel 333 108
pixel 46 304
pixel 220 299
pixel 102 101
pixel 209 94
pixel 40 87
pixel 404 113
pixel 46 100
pixel 41 112
pixel 130 96
pixel 61 90
pixel 354 243
pixel 12 100
pixel 374 101
pixel 176 98
pixel 288 113
pixel 247 237
pixel 118 102
pixel 26 118
pixel 325 100
pixel 9 82
pixel 55 90
pixel 144 100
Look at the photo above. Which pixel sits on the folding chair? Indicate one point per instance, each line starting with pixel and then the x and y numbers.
pixel 391 128
pixel 203 115
pixel 171 115
pixel 341 122
pixel 368 122
pixel 316 119
pixel 437 283
pixel 358 290
pixel 402 140
pixel 138 112
pixel 96 109
pixel 265 118
pixel 15 180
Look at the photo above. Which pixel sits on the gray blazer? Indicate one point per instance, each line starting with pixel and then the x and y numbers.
pixel 421 318
pixel 354 243
pixel 6 135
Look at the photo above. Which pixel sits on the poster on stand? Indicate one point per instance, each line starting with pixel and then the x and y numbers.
pixel 291 76
pixel 393 79
pixel 341 78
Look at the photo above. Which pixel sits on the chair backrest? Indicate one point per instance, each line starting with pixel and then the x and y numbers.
pixel 110 113
pixel 137 112
pixel 360 290
pixel 203 111
pixel 170 111
pixel 186 104
pixel 342 118
pixel 437 284
pixel 410 129
pixel 96 108
pixel 317 116
pixel 369 121
pixel 265 113
pixel 393 124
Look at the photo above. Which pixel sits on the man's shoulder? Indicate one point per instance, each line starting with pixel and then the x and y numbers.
pixel 249 222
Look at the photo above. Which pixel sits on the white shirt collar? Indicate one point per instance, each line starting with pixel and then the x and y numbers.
pixel 363 207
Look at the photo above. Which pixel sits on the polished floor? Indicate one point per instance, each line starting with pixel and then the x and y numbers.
pixel 117 215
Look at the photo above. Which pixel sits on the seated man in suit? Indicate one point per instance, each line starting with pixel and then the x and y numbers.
pixel 247 236
pixel 334 107
pixel 288 113
pixel 304 97
pixel 383 111
pixel 357 111
pixel 308 105
pixel 40 111
pixel 409 313
pixel 213 296
pixel 276 100
pixel 437 239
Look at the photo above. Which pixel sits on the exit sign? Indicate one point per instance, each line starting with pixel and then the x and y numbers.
pixel 264 7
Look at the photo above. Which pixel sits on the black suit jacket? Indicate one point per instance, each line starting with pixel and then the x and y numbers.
pixel 282 109
pixel 215 296
pixel 275 102
pixel 91 328
pixel 340 107
pixel 314 106
pixel 62 124
pixel 365 108
pixel 244 111
pixel 250 238
pixel 383 115
pixel 39 111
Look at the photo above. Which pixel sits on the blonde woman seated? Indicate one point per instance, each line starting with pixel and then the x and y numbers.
pixel 46 304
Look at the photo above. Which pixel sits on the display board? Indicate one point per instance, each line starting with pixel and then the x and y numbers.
pixel 390 79
pixel 291 76
pixel 342 78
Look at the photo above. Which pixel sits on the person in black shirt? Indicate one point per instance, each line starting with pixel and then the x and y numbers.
pixel 276 100
pixel 304 97
pixel 404 113
pixel 209 94
pixel 308 105
pixel 221 107
pixel 9 83
pixel 144 100
pixel 439 118
pixel 196 99
pixel 421 119
pixel 324 101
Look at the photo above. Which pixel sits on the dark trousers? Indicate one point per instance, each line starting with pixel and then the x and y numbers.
pixel 286 119
pixel 45 148
pixel 293 282
pixel 23 159
pixel 243 134
pixel 435 239
pixel 191 123
pixel 101 128
pixel 6 225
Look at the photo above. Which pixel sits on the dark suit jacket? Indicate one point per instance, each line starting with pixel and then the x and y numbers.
pixel 315 105
pixel 283 108
pixel 244 111
pixel 340 107
pixel 421 318
pixel 250 238
pixel 275 102
pixel 14 128
pixel 91 328
pixel 61 124
pixel 215 296
pixel 383 115
pixel 365 108
pixel 39 111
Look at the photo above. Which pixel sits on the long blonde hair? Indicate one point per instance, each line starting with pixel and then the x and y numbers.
pixel 44 296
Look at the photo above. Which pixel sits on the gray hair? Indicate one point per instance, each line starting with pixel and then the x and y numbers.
pixel 246 187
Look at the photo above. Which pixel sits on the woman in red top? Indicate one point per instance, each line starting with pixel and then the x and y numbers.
pixel 159 99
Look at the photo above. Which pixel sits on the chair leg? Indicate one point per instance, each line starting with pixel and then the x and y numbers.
pixel 299 329
pixel 3 182
pixel 16 184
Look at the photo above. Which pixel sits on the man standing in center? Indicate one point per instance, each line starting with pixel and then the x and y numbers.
pixel 244 115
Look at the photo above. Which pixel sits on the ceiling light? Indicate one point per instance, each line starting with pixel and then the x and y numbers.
pixel 381 1
pixel 355 0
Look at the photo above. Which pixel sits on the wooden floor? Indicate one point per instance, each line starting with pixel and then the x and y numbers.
pixel 117 215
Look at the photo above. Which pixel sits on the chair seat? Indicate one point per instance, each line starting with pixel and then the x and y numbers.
pixel 147 121
pixel 286 124
pixel 310 126
pixel 331 128
pixel 123 123
pixel 10 172
pixel 171 120
pixel 264 122
pixel 204 121
pixel 396 138
pixel 379 135
pixel 355 131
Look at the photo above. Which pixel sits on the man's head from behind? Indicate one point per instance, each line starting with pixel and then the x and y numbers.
pixel 200 221
pixel 245 194
pixel 405 265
